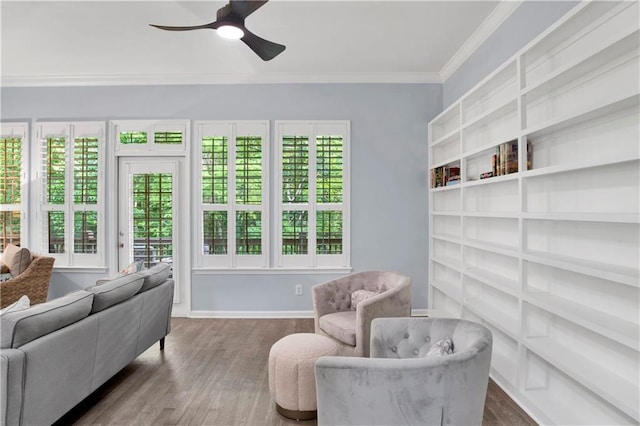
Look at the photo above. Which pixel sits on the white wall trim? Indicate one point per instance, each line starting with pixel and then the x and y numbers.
pixel 503 10
pixel 251 314
pixel 210 78
pixel 269 314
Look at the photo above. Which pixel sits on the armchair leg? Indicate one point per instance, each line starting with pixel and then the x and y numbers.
pixel 162 344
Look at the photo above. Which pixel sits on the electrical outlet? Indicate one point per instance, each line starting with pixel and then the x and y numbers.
pixel 298 289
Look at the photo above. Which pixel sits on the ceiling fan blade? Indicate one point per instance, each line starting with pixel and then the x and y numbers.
pixel 266 49
pixel 211 25
pixel 244 8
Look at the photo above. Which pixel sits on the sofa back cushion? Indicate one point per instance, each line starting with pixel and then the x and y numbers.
pixel 21 327
pixel 16 258
pixel 154 276
pixel 115 291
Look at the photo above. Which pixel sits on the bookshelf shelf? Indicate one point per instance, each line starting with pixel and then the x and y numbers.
pixel 613 388
pixel 609 326
pixel 447 138
pixel 507 324
pixel 547 255
pixel 494 280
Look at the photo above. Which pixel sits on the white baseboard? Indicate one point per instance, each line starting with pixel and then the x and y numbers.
pixel 251 314
pixel 270 314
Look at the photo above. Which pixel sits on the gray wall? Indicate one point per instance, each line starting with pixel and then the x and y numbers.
pixel 529 20
pixel 389 217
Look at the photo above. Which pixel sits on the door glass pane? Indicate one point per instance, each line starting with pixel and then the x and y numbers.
pixel 294 232
pixel 248 232
pixel 152 224
pixel 295 169
pixel 215 232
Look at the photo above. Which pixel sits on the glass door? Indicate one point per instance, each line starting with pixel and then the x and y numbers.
pixel 148 214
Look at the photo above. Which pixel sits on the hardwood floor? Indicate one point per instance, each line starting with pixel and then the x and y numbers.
pixel 214 372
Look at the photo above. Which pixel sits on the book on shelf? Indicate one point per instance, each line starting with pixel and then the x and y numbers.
pixel 445 176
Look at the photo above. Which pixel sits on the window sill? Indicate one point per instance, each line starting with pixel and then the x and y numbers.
pixel 271 271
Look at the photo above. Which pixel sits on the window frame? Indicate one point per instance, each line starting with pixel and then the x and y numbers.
pixel 71 131
pixel 313 260
pixel 231 260
pixel 150 127
pixel 21 130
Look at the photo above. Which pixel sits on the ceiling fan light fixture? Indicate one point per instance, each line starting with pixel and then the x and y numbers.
pixel 230 32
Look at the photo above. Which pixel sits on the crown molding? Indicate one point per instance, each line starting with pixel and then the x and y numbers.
pixel 502 11
pixel 209 78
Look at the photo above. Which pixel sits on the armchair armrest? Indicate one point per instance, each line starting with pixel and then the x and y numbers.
pixel 12 363
pixel 375 391
pixel 395 302
pixel 34 282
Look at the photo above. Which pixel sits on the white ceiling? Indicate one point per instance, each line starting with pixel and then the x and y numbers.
pixel 110 42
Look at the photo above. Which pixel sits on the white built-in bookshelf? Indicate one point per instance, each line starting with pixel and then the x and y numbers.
pixel 547 257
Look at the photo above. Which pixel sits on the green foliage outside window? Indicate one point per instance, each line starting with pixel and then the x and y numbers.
pixel 10 165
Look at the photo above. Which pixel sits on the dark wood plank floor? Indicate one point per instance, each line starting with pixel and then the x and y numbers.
pixel 214 372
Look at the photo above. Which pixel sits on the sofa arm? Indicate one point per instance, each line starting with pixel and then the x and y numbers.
pixel 395 302
pixel 12 364
pixel 369 391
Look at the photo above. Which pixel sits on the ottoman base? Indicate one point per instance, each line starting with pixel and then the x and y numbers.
pixel 297 415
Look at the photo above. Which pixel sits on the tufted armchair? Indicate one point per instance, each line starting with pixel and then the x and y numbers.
pixel 398 385
pixel 334 316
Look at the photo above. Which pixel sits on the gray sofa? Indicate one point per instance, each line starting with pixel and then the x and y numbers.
pixel 401 384
pixel 55 354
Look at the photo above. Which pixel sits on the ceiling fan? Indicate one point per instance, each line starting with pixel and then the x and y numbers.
pixel 229 23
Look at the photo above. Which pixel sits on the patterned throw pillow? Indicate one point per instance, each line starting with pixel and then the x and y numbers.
pixel 19 305
pixel 441 348
pixel 359 296
pixel 133 267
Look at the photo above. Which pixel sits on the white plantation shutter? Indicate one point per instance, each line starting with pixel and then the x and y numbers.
pixel 233 182
pixel 312 218
pixel 71 187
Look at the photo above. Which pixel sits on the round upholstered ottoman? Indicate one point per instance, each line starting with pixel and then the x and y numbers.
pixel 292 380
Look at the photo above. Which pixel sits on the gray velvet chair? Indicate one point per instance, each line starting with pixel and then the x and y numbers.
pixel 398 385
pixel 350 328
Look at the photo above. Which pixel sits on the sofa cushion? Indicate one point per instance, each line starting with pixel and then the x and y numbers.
pixel 340 325
pixel 16 258
pixel 115 291
pixel 19 328
pixel 154 276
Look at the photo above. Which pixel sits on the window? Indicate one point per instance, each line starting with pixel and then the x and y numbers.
pixel 71 192
pixel 142 137
pixel 233 215
pixel 312 195
pixel 13 160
